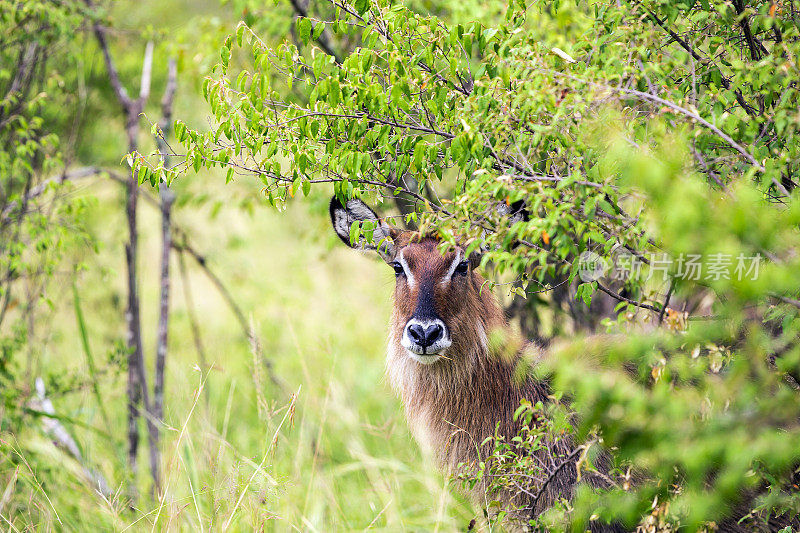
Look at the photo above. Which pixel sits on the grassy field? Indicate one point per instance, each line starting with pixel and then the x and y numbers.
pixel 328 450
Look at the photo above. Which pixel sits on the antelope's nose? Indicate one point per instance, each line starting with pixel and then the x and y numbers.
pixel 425 336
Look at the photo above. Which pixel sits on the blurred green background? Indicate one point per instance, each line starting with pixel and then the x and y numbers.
pixel 277 416
pixel 327 450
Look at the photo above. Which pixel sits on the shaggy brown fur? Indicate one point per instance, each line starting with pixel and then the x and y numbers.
pixel 454 404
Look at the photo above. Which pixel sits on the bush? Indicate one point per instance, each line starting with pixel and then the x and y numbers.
pixel 655 146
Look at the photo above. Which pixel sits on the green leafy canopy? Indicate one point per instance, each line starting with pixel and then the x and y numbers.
pixel 643 127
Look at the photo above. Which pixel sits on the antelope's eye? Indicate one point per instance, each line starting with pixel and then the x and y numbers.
pixel 398 269
pixel 462 268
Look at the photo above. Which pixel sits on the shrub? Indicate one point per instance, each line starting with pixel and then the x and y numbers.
pixel 646 138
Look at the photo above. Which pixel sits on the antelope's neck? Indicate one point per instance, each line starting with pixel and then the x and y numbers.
pixel 454 404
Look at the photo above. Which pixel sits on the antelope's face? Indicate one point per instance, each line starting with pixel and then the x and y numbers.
pixel 428 295
pixel 434 293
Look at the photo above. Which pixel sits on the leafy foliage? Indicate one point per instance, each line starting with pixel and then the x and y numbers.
pixel 31 239
pixel 627 127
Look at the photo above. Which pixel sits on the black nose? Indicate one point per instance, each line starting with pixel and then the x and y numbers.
pixel 425 336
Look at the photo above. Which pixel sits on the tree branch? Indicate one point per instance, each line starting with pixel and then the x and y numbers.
pixel 706 62
pixel 113 73
pixel 666 301
pixel 249 333
pixel 67 175
pixel 137 389
pixel 167 197
pixel 755 46
pixel 324 38
pixel 621 298
pixel 683 111
pixel 787 300
pixel 147 71
pixel 568 460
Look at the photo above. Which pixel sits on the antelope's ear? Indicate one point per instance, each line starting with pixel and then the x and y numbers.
pixel 342 218
pixel 516 212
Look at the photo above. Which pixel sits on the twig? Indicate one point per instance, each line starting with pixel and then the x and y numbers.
pixel 666 301
pixel 621 298
pixel 324 38
pixel 787 300
pixel 675 107
pixel 71 175
pixel 61 437
pixel 249 334
pixel 553 474
pixel 113 74
pixel 706 62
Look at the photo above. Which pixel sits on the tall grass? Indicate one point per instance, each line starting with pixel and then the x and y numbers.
pixel 331 454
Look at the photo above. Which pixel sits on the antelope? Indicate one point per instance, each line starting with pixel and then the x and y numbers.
pixel 455 393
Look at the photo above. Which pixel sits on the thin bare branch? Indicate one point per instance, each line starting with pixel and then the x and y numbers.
pixel 67 175
pixel 675 107
pixel 705 61
pixel 787 300
pixel 621 298
pixel 113 73
pixel 234 306
pixel 147 72
pixel 167 197
pixel 566 462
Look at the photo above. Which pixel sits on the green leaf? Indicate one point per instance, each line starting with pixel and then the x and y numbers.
pixel 355 231
pixel 361 6
pixel 303 29
pixel 240 34
pixel 319 27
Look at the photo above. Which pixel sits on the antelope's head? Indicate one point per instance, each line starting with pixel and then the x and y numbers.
pixel 438 307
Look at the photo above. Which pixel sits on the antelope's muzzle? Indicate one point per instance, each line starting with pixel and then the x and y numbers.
pixel 425 339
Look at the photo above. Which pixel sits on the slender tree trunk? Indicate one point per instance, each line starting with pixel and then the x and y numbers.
pixel 138 396
pixel 137 390
pixel 163 322
pixel 167 198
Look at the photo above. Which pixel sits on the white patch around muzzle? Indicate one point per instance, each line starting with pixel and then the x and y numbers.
pixel 426 354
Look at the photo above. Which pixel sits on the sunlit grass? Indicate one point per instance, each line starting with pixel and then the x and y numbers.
pixel 330 452
pixel 234 455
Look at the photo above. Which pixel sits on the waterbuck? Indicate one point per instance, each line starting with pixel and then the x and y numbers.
pixel 455 392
